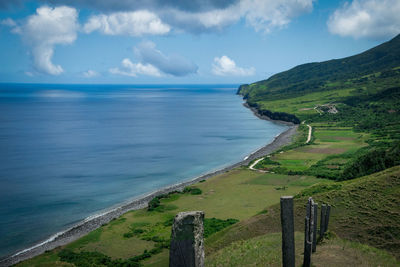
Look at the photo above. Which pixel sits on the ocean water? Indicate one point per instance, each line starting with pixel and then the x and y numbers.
pixel 71 151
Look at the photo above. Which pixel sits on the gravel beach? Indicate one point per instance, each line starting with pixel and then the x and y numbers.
pixel 94 222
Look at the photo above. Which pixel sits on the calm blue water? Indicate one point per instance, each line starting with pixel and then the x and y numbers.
pixel 70 151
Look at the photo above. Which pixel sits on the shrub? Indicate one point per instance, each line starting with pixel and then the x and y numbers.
pixel 154 203
pixel 138 231
pixel 192 190
pixel 128 235
pixel 214 225
pixel 374 160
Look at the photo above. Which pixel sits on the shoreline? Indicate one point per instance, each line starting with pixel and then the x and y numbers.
pixel 95 221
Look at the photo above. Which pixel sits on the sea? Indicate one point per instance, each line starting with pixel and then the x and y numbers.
pixel 68 152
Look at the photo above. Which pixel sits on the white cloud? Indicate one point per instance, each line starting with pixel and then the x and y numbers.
pixel 8 22
pixel 174 65
pixel 224 66
pixel 265 15
pixel 366 19
pixel 45 29
pixel 90 73
pixel 153 62
pixel 134 23
pixel 262 15
pixel 192 16
pixel 28 73
pixel 133 69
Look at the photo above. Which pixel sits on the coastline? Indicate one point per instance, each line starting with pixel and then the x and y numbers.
pixel 93 222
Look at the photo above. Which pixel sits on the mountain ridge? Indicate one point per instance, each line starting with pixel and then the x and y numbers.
pixel 310 77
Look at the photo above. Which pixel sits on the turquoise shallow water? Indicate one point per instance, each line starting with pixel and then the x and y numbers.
pixel 70 151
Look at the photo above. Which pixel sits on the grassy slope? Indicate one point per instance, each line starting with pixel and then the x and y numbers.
pixel 365 210
pixel 330 75
pixel 265 250
pixel 327 141
pixel 237 194
pixel 364 88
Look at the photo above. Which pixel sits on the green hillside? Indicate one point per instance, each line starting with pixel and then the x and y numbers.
pixel 382 60
pixel 364 210
pixel 360 92
pixel 368 82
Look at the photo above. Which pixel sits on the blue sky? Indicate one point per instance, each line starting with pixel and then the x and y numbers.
pixel 177 41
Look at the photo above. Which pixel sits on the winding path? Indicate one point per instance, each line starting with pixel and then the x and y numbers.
pixel 309 134
pixel 254 164
pixel 251 167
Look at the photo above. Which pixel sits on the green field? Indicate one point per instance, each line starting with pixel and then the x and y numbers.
pixel 265 250
pixel 304 105
pixel 327 141
pixel 364 210
pixel 237 194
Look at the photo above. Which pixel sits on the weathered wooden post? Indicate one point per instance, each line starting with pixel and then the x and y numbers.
pixel 322 224
pixel 308 233
pixel 327 215
pixel 287 221
pixel 314 245
pixel 187 240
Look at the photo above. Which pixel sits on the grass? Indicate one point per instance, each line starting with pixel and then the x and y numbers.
pixel 238 194
pixel 327 141
pixel 265 250
pixel 304 105
pixel 364 210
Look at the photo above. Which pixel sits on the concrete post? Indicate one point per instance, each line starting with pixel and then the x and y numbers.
pixel 187 240
pixel 322 224
pixel 287 221
pixel 308 233
pixel 314 245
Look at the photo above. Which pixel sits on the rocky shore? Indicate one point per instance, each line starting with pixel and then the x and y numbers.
pixel 95 222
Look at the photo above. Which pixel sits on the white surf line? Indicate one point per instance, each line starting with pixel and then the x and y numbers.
pixel 254 164
pixel 309 134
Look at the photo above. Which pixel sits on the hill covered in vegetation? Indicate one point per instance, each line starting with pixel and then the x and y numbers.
pixel 383 61
pixel 361 92
pixel 365 210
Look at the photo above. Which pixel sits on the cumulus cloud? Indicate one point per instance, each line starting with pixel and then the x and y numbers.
pixel 160 16
pixel 265 15
pixel 262 15
pixel 172 64
pixel 133 69
pixel 90 73
pixel 134 23
pixel 45 29
pixel 153 62
pixel 370 19
pixel 129 5
pixel 224 66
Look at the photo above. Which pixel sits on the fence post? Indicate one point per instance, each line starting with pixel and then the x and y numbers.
pixel 314 245
pixel 322 224
pixel 308 233
pixel 327 215
pixel 187 240
pixel 287 221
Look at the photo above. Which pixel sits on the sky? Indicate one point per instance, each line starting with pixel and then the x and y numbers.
pixel 182 41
